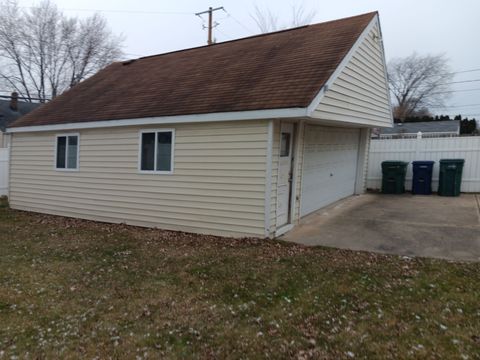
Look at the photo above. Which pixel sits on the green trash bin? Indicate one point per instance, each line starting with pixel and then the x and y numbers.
pixel 393 177
pixel 450 177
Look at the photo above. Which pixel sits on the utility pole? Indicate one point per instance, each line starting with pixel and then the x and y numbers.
pixel 210 21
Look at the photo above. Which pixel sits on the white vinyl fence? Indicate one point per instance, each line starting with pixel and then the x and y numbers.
pixel 3 171
pixel 467 148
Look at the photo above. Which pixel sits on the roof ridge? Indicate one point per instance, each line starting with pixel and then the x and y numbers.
pixel 250 37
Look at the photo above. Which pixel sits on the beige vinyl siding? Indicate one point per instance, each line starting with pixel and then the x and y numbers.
pixel 360 92
pixel 217 187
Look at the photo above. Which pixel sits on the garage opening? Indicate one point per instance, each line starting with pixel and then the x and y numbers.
pixel 329 166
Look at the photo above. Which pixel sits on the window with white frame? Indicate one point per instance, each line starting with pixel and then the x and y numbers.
pixel 66 157
pixel 156 151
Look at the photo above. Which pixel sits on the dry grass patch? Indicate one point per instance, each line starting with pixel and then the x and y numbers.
pixel 72 288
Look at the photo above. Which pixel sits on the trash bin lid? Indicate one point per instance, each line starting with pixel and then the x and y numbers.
pixel 423 162
pixel 391 162
pixel 452 161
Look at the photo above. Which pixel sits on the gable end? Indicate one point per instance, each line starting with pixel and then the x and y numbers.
pixel 358 91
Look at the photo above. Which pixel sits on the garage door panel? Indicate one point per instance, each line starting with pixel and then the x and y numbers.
pixel 330 164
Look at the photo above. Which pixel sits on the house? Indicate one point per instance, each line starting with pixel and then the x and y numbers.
pixel 444 128
pixel 10 110
pixel 241 138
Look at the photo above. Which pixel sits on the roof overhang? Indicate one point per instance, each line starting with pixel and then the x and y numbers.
pixel 194 118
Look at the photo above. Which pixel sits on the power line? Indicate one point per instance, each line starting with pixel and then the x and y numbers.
pixel 143 12
pixel 457 72
pixel 455 106
pixel 239 22
pixel 461 82
pixel 224 34
pixel 423 87
pixel 464 71
pixel 444 92
pixel 454 91
pixel 454 72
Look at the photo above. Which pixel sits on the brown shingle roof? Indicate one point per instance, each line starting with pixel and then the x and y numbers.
pixel 285 69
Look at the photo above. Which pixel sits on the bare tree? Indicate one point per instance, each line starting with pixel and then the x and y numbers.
pixel 267 21
pixel 418 83
pixel 300 16
pixel 43 53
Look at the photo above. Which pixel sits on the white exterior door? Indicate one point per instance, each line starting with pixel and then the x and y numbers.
pixel 329 166
pixel 284 185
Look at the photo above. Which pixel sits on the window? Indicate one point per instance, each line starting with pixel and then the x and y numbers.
pixel 66 157
pixel 156 151
pixel 285 145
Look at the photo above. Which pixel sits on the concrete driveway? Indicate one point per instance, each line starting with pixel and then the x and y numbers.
pixel 428 226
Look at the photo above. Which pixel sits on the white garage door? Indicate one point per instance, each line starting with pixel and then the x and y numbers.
pixel 330 166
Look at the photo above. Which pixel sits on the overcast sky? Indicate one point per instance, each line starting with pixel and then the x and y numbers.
pixel 425 26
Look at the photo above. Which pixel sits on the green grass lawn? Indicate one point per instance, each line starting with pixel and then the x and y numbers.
pixel 72 288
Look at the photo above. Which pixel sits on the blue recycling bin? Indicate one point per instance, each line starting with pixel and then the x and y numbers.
pixel 422 177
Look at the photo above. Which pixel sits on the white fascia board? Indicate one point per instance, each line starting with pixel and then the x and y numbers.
pixel 363 124
pixel 319 97
pixel 384 61
pixel 211 117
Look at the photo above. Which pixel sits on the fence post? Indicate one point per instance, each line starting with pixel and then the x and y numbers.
pixel 417 145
